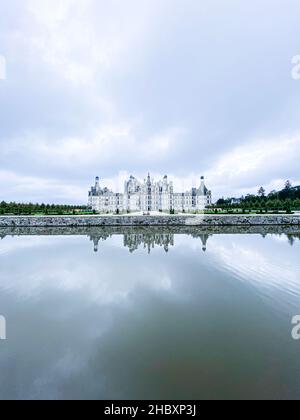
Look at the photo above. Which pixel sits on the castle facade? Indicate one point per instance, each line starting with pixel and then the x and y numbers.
pixel 149 196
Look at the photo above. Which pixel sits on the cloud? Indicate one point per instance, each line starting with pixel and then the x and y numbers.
pixel 83 39
pixel 87 280
pixel 238 172
pixel 108 143
pixel 97 87
pixel 107 147
pixel 258 267
pixel 60 34
pixel 103 146
pixel 259 161
pixel 35 189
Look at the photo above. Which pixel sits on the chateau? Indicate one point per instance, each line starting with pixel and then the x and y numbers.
pixel 148 196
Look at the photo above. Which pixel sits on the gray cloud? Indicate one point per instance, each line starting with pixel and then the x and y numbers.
pixel 96 88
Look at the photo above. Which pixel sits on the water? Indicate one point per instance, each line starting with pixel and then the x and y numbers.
pixel 149 314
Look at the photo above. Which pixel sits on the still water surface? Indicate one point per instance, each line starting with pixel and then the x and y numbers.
pixel 149 315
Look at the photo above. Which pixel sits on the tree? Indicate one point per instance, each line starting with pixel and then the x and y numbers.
pixel 288 185
pixel 270 205
pixel 262 192
pixel 297 204
pixel 278 205
pixel 273 193
pixel 221 202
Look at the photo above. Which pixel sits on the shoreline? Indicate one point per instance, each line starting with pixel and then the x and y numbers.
pixel 162 220
pixel 107 231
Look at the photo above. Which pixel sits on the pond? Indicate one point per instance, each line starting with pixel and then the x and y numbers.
pixel 149 313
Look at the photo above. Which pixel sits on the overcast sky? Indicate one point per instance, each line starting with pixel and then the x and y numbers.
pixel 119 87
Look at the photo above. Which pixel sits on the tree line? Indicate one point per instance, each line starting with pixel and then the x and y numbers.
pixel 288 200
pixel 45 209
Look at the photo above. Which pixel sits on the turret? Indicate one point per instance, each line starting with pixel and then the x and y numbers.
pixel 202 186
pixel 96 244
pixel 204 239
pixel 97 184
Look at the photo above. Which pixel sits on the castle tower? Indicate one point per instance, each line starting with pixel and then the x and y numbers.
pixel 97 184
pixel 202 186
pixel 149 193
pixel 96 244
pixel 204 238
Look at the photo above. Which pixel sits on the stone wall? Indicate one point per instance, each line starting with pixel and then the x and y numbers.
pixel 293 230
pixel 202 220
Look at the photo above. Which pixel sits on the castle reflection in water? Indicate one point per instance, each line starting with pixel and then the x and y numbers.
pixel 149 238
pixel 146 241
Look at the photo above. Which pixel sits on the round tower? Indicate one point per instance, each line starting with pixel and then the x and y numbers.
pixel 97 184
